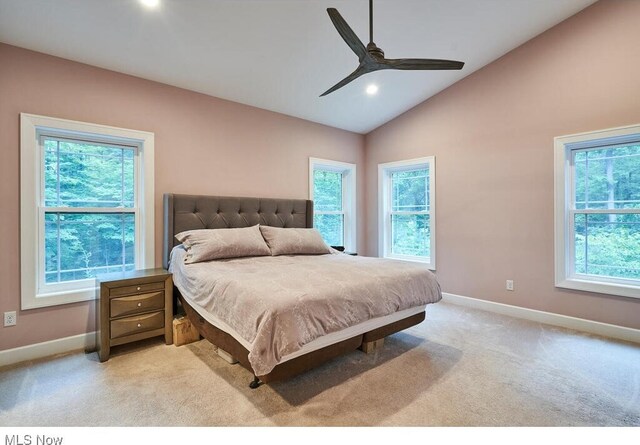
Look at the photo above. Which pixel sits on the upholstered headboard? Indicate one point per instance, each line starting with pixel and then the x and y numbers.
pixel 189 212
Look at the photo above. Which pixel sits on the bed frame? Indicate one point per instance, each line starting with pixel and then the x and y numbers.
pixel 189 212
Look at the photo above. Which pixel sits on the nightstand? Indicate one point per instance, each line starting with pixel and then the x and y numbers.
pixel 133 306
pixel 341 249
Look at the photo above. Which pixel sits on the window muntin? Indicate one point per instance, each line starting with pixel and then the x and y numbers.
pixel 410 190
pixel 598 211
pixel 332 189
pixel 86 206
pixel 87 174
pixel 607 177
pixel 331 227
pixel 80 245
pixel 607 245
pixel 328 206
pixel 327 191
pixel 410 234
pixel 88 211
pixel 605 212
pixel 406 210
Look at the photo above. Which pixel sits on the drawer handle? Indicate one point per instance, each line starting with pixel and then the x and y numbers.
pixel 139 325
pixel 139 304
pixel 138 288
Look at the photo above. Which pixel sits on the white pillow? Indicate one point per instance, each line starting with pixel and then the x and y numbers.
pixel 294 241
pixel 213 244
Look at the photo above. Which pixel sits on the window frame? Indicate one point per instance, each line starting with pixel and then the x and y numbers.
pixel 385 213
pixel 564 211
pixel 348 171
pixel 32 210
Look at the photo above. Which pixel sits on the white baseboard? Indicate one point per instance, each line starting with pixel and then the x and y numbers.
pixel 47 348
pixel 578 324
pixel 87 341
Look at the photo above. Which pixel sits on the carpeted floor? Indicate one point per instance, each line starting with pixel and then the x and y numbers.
pixel 460 367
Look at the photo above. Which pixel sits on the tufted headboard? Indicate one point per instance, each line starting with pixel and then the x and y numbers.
pixel 189 212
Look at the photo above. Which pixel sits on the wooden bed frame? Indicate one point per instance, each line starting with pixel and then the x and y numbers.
pixel 189 212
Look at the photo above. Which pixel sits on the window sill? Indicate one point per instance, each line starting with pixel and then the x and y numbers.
pixel 59 298
pixel 425 261
pixel 601 287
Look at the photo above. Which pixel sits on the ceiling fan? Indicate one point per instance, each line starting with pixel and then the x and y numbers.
pixel 372 58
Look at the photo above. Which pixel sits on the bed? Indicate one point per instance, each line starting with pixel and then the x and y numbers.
pixel 279 316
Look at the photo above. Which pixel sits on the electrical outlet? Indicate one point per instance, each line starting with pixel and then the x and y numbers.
pixel 10 318
pixel 509 284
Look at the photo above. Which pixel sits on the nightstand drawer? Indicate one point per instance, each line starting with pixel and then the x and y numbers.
pixel 133 325
pixel 140 288
pixel 135 304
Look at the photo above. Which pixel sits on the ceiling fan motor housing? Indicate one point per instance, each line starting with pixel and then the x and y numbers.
pixel 373 49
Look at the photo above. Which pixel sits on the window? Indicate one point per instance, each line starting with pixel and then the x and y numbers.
pixel 407 210
pixel 597 212
pixel 86 207
pixel 332 186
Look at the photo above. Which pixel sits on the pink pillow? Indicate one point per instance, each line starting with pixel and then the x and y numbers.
pixel 294 241
pixel 213 244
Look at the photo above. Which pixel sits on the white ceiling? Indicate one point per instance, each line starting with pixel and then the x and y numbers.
pixel 280 55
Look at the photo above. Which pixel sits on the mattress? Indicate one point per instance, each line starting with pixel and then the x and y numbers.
pixel 282 307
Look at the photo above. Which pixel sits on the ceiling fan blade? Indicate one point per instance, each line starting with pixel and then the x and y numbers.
pixel 347 34
pixel 351 77
pixel 423 64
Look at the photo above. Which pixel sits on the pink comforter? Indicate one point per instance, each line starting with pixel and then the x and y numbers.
pixel 278 304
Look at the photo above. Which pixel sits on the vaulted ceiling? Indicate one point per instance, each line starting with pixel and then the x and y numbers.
pixel 280 55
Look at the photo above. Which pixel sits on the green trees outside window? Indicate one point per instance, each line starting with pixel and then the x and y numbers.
pixel 410 223
pixel 328 206
pixel 607 211
pixel 89 205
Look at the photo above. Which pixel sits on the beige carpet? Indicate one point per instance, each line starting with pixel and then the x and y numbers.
pixel 460 367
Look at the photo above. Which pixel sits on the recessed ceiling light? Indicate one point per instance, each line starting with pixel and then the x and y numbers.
pixel 372 89
pixel 150 3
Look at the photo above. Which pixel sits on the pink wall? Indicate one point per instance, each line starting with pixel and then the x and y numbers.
pixel 492 136
pixel 203 145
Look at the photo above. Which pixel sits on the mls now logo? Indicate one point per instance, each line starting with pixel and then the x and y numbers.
pixel 27 439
